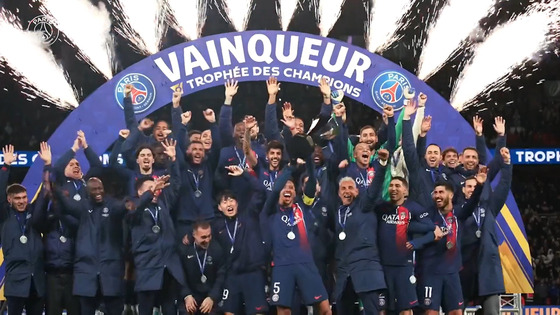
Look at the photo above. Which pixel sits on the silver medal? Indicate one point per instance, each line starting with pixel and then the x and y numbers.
pixel 23 239
pixel 156 228
pixel 291 235
pixel 63 239
pixel 77 197
pixel 203 279
pixel 197 193
pixel 478 233
pixel 342 236
pixel 412 279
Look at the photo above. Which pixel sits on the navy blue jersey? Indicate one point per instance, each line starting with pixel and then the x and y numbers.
pixel 395 226
pixel 362 177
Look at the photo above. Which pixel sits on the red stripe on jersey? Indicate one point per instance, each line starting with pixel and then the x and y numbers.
pixel 302 231
pixel 402 228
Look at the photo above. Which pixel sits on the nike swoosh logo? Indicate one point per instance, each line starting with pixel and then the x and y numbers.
pixel 461 303
pixel 317 297
pixel 413 302
pixel 258 308
pixel 190 256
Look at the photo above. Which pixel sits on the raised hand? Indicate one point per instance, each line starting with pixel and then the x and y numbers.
pixel 477 125
pixel 234 170
pixel 82 139
pixel 9 155
pixel 389 110
pixel 250 122
pixel 167 132
pixel 127 90
pixel 422 99
pixel 145 124
pixel 343 164
pixel 186 117
pixel 176 99
pixel 325 88
pixel 160 183
pixel 209 115
pixel 482 175
pixel 169 146
pixel 45 153
pixel 500 126
pixel 76 145
pixel 426 125
pixel 409 109
pixel 124 133
pixel 231 90
pixel 287 111
pixel 272 86
pixel 383 154
pixel 506 157
pixel 339 110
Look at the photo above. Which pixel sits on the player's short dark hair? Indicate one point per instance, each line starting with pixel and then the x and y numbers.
pixel 367 127
pixel 142 147
pixel 470 149
pixel 163 120
pixel 274 144
pixel 194 132
pixel 140 181
pixel 201 225
pixel 195 142
pixel 446 185
pixel 401 179
pixel 450 149
pixel 469 178
pixel 15 189
pixel 435 144
pixel 224 195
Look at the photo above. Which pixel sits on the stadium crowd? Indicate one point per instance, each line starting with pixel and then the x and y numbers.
pixel 241 217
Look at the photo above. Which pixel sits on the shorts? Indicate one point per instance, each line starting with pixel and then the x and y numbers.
pixel 401 293
pixel 435 291
pixel 305 276
pixel 245 288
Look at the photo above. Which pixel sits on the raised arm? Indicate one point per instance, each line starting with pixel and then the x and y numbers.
pixel 217 141
pixel 62 161
pixel 272 200
pixel 462 211
pixel 129 116
pixel 496 163
pixel 9 158
pixel 171 193
pixel 250 123
pixel 311 186
pixel 391 133
pixel 501 192
pixel 92 157
pixel 374 191
pixel 225 124
pixel 271 130
pixel 420 113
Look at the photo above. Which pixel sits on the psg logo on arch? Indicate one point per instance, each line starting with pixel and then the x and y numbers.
pixel 143 92
pixel 388 88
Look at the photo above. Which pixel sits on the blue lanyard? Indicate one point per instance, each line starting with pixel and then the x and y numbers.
pixel 231 237
pixel 23 227
pixel 448 228
pixel 77 186
pixel 340 221
pixel 60 228
pixel 203 264
pixel 272 178
pixel 241 161
pixel 154 216
pixel 331 146
pixel 477 217
pixel 196 179
pixel 364 180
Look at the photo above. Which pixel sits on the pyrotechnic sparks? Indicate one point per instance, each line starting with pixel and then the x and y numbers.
pixel 385 18
pixel 87 27
pixel 286 9
pixel 327 13
pixel 456 21
pixel 508 46
pixel 33 63
pixel 142 22
pixel 237 13
pixel 187 17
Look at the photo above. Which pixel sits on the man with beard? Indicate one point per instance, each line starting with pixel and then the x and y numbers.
pixel 197 173
pixel 290 223
pixel 143 167
pixel 22 224
pixel 481 276
pixel 238 232
pixel 359 273
pixel 99 266
pixel 422 162
pixel 440 261
pixel 67 170
pixel 399 219
pixel 205 266
pixel 362 170
pixel 159 273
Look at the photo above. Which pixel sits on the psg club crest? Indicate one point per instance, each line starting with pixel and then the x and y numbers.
pixel 388 88
pixel 143 91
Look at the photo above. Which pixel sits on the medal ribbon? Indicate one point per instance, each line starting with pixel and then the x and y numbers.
pixel 231 237
pixel 22 227
pixel 242 163
pixel 451 237
pixel 196 179
pixel 341 222
pixel 203 264
pixel 154 216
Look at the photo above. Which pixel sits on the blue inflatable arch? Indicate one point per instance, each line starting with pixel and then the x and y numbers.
pixel 290 56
